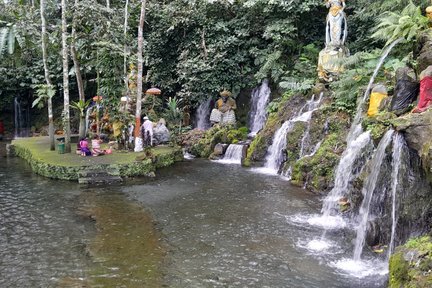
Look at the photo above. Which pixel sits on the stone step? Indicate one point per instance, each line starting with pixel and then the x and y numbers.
pixel 101 179
pixel 98 172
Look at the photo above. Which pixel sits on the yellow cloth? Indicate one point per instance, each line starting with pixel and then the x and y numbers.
pixel 225 106
pixel 374 103
pixel 117 129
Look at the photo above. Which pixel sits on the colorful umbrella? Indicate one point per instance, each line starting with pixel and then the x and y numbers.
pixel 97 98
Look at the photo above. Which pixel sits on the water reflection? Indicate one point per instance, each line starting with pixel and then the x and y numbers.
pixel 228 227
pixel 41 239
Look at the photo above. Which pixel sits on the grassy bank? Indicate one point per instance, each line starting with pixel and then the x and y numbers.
pixel 67 166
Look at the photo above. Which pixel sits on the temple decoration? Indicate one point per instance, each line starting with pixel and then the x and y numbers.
pixel 329 66
pixel 224 113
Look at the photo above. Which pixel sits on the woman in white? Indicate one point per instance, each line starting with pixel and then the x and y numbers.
pixel 336 27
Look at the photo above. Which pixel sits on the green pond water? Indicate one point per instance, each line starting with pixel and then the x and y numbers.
pixel 197 224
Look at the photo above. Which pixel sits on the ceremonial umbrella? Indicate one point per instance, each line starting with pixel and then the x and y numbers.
pixel 153 91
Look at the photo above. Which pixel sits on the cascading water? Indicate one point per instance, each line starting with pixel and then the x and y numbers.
pixel 233 154
pixel 275 155
pixel 258 115
pixel 398 145
pixel 87 120
pixel 367 191
pixel 356 128
pixel 21 120
pixel 356 141
pixel 203 115
pixel 344 173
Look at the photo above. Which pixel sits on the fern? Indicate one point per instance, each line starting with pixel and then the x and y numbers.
pixel 405 24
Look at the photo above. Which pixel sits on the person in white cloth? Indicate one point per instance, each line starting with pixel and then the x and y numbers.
pixel 147 132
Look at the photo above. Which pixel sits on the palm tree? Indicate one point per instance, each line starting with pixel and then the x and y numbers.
pixel 66 116
pixel 47 77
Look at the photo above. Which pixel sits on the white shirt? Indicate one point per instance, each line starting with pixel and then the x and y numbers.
pixel 148 126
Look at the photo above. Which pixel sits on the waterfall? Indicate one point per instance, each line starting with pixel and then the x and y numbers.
pixel 344 172
pixel 398 144
pixel 367 191
pixel 356 128
pixel 356 141
pixel 233 154
pixel 275 155
pixel 21 120
pixel 87 120
pixel 259 99
pixel 203 115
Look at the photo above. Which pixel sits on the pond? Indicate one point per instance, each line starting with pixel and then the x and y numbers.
pixel 197 224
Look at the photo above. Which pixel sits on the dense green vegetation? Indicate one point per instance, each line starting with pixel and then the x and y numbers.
pixel 192 48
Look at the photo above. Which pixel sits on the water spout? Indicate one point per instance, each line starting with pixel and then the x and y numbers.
pixel 367 191
pixel 398 145
pixel 356 129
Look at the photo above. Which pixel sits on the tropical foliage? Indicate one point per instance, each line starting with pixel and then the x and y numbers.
pixel 192 49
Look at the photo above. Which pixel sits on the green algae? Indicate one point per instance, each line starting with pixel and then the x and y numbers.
pixel 126 250
pixel 67 166
pixel 411 265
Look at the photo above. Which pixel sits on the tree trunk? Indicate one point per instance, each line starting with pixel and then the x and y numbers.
pixel 66 112
pixel 47 78
pixel 126 16
pixel 139 76
pixel 78 75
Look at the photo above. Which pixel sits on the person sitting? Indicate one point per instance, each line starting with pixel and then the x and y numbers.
pixel 96 149
pixel 84 149
pixel 224 112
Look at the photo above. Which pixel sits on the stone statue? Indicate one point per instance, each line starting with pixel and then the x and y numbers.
pixel 224 111
pixel 329 65
pixel 336 27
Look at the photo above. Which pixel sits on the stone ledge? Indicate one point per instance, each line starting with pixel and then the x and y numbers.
pixel 70 166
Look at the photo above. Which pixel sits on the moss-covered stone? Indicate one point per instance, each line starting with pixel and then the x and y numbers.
pixel 203 147
pixel 318 169
pixel 287 107
pixel 68 166
pixel 378 125
pixel 398 274
pixel 411 265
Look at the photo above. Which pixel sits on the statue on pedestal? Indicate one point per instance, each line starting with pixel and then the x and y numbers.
pixel 336 34
pixel 224 111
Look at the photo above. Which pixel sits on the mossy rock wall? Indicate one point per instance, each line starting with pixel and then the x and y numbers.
pixel 411 264
pixel 204 146
pixel 64 172
pixel 328 129
pixel 263 140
